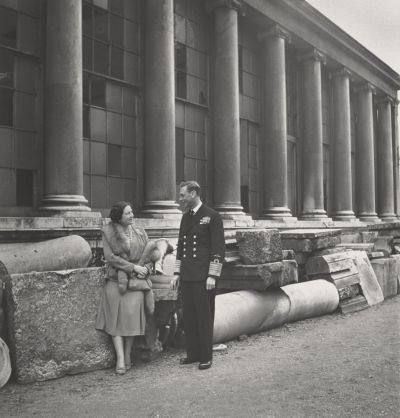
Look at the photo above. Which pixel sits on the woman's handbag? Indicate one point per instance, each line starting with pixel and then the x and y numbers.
pixel 139 284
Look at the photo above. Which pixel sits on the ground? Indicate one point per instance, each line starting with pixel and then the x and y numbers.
pixel 332 366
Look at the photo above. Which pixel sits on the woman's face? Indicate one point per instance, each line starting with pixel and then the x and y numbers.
pixel 127 216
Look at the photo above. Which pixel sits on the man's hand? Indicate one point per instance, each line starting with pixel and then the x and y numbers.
pixel 174 283
pixel 210 283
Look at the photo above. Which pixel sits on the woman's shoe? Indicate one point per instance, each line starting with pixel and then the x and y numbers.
pixel 128 366
pixel 120 370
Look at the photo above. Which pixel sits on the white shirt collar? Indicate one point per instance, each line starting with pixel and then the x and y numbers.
pixel 196 208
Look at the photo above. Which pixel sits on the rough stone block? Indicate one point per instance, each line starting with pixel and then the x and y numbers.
pixel 310 240
pixel 290 273
pixel 259 247
pixel 256 277
pixel 386 270
pixel 289 255
pixel 384 244
pixel 51 324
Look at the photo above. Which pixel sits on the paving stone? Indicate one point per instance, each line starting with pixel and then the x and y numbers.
pixel 259 247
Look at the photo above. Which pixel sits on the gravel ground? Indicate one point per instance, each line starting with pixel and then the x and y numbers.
pixel 332 366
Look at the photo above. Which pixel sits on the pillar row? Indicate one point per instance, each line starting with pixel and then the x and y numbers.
pixel 313 195
pixel 275 143
pixel 63 123
pixel 385 161
pixel 342 179
pixel 159 110
pixel 225 108
pixel 365 166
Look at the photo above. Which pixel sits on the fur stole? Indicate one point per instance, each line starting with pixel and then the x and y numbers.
pixel 119 243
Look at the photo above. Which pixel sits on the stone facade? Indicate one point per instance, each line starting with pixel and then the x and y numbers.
pixel 262 148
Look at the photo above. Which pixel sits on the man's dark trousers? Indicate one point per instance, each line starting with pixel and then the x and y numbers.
pixel 198 306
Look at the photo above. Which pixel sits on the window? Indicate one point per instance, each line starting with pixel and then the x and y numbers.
pixel 24 187
pixel 114 160
pixel 8 27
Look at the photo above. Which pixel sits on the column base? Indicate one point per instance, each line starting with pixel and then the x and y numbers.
pixel 344 215
pixel 277 213
pixel 161 209
pixel 313 215
pixel 369 217
pixel 64 203
pixel 388 217
pixel 233 211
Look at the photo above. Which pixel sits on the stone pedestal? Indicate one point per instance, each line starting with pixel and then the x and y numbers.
pixel 342 185
pixel 159 111
pixel 275 142
pixel 63 123
pixel 313 196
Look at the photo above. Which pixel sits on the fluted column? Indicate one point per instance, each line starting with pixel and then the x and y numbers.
pixel 63 176
pixel 225 108
pixel 342 179
pixel 159 109
pixel 365 166
pixel 385 161
pixel 313 194
pixel 275 144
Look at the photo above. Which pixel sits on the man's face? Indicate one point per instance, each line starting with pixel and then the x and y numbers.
pixel 186 198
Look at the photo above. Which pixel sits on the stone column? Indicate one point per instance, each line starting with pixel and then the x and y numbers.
pixel 342 186
pixel 365 175
pixel 397 157
pixel 275 144
pixel 63 176
pixel 385 161
pixel 159 110
pixel 225 108
pixel 313 193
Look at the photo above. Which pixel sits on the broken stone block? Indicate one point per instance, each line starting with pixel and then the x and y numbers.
pixel 309 240
pixel 51 324
pixel 386 271
pixel 290 272
pixel 253 277
pixel 368 281
pixel 384 244
pixel 289 255
pixel 259 247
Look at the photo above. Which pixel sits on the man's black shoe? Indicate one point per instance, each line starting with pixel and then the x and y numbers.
pixel 205 365
pixel 186 360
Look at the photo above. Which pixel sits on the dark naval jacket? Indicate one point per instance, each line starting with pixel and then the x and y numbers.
pixel 201 245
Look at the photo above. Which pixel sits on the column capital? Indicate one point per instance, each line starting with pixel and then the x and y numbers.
pixel 312 55
pixel 386 100
pixel 275 31
pixel 238 5
pixel 366 86
pixel 340 72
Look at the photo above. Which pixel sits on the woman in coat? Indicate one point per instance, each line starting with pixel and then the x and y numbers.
pixel 122 315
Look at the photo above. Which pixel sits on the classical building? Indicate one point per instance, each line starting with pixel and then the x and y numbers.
pixel 276 111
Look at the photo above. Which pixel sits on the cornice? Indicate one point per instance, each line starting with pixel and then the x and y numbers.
pixel 307 23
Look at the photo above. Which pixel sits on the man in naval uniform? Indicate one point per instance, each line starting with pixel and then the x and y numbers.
pixel 200 254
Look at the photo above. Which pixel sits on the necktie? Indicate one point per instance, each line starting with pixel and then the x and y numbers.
pixel 191 212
